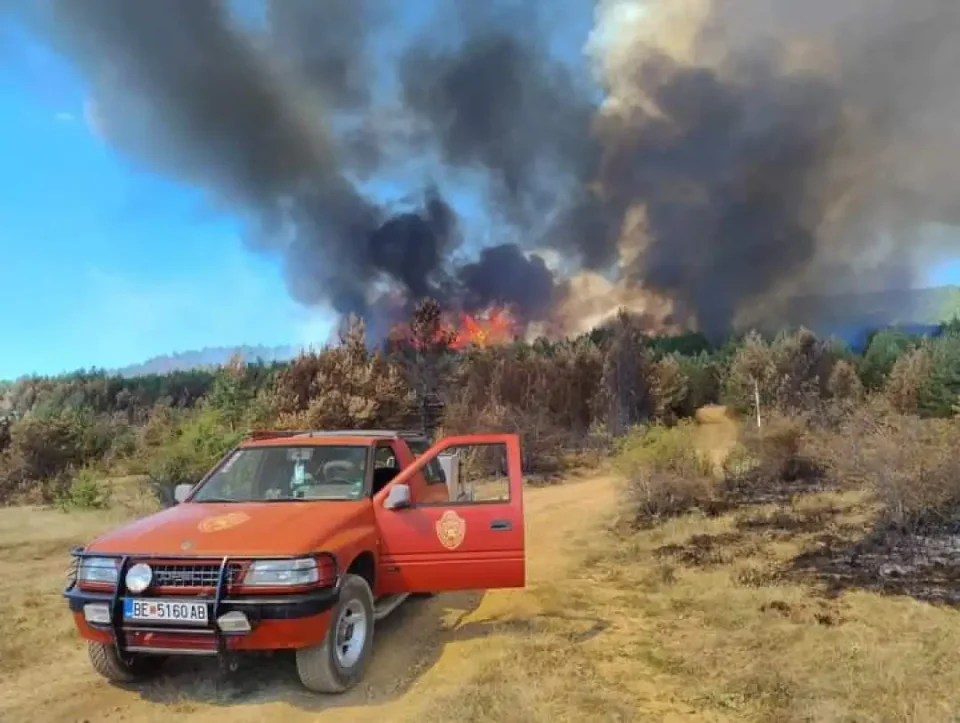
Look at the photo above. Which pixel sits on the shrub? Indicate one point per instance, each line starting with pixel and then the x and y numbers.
pixel 910 464
pixel 666 475
pixel 776 448
pixel 85 492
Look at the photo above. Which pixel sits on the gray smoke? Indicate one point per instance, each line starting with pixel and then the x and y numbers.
pixel 745 156
pixel 277 120
pixel 793 148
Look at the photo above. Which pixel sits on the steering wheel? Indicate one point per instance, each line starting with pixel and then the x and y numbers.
pixel 337 481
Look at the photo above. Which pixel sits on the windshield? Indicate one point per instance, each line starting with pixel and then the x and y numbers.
pixel 267 474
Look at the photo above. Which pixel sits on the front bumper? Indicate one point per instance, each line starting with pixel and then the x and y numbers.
pixel 277 621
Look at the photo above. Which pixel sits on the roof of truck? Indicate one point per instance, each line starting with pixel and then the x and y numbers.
pixel 329 437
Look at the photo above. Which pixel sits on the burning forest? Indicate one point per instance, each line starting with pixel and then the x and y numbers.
pixel 706 164
pixel 493 326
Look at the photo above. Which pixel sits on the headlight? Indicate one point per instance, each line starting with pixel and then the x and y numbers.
pixel 139 578
pixel 302 571
pixel 98 569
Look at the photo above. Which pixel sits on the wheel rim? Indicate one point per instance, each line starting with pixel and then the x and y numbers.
pixel 351 633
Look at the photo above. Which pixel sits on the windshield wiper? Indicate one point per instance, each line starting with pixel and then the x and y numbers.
pixel 219 499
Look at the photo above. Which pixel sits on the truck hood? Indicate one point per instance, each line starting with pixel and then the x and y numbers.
pixel 237 529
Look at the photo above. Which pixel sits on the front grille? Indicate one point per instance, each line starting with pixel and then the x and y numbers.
pixel 193 575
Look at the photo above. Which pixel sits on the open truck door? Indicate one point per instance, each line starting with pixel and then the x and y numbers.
pixel 474 543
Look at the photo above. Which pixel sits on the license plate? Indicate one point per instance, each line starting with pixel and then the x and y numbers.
pixel 168 611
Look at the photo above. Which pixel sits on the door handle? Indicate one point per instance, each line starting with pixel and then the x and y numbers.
pixel 501 525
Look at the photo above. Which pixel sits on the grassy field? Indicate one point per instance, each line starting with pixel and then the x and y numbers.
pixel 729 618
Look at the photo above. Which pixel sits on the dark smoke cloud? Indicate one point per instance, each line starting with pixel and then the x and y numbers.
pixel 728 174
pixel 504 272
pixel 790 148
pixel 276 121
pixel 498 101
pixel 328 43
pixel 763 178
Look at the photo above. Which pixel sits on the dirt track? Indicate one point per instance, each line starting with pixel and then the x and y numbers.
pixel 429 658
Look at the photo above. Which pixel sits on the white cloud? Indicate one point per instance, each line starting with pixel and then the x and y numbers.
pixel 65 117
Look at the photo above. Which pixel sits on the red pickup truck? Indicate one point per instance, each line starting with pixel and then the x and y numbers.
pixel 298 541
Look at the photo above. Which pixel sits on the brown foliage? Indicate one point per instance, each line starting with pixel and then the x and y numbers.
pixel 341 387
pixel 909 374
pixel 669 389
pixel 562 398
pixel 844 382
pixel 547 399
pixel 791 373
pixel 909 463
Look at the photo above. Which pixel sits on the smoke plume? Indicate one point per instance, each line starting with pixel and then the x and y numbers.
pixel 726 163
pixel 777 149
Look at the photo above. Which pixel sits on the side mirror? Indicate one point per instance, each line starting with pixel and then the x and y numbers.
pixel 397 498
pixel 181 492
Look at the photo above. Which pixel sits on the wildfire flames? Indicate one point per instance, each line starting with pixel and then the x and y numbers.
pixel 491 327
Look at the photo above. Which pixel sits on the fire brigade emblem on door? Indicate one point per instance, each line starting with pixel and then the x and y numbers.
pixel 451 529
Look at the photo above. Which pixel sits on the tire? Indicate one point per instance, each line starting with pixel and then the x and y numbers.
pixel 332 668
pixel 108 663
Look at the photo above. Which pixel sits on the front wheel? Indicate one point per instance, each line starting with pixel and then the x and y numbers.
pixel 113 666
pixel 338 663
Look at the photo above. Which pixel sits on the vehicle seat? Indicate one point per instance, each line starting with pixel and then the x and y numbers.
pixel 382 477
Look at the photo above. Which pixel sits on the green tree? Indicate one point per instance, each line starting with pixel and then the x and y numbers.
pixel 941 389
pixel 229 394
pixel 882 352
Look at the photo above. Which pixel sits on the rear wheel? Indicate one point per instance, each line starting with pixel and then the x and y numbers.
pixel 338 663
pixel 113 666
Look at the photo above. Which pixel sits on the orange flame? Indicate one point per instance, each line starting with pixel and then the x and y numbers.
pixel 493 326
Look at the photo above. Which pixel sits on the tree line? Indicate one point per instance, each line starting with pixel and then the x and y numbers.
pixel 565 397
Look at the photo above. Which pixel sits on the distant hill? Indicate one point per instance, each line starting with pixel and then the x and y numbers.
pixel 207 358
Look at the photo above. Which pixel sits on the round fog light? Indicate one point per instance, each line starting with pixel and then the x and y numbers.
pixel 139 577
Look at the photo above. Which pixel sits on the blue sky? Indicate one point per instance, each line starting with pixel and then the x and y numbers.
pixel 103 264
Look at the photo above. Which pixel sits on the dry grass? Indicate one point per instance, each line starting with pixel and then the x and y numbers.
pixel 739 637
pixel 695 620
pixel 34 559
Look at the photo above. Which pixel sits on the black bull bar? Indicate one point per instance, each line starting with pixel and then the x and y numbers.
pixel 278 607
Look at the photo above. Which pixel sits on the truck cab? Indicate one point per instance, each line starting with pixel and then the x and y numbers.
pixel 300 541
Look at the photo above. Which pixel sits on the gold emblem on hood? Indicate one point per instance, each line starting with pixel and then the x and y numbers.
pixel 223 522
pixel 451 529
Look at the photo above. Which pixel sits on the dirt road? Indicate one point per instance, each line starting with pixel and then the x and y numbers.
pixel 462 656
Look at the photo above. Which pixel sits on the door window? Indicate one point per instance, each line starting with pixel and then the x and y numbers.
pixel 433 473
pixel 479 474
